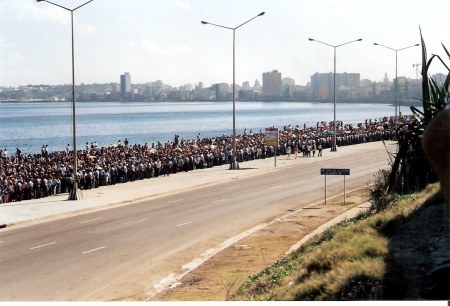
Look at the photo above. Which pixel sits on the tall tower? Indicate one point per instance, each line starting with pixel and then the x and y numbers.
pixel 271 85
pixel 125 85
pixel 386 82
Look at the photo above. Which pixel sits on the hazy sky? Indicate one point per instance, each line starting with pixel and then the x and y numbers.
pixel 164 39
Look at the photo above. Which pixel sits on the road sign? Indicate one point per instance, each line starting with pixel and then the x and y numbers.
pixel 271 136
pixel 325 171
pixel 271 139
pixel 331 171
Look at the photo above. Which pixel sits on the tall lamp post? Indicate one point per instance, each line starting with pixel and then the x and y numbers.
pixel 234 165
pixel 73 195
pixel 397 106
pixel 333 146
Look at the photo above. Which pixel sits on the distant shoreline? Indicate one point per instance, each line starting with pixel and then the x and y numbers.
pixel 402 103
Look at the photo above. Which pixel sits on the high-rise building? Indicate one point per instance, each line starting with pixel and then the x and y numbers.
pixel 271 85
pixel 386 80
pixel 199 86
pixel 223 91
pixel 125 85
pixel 323 89
pixel 287 88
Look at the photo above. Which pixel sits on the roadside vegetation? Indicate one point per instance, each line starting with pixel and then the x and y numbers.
pixel 351 261
pixel 411 170
pixel 355 260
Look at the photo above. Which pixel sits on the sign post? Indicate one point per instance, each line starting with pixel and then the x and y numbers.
pixel 328 171
pixel 271 139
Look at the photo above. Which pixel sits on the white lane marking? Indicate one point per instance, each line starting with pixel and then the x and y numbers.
pixel 275 186
pixel 133 223
pixel 90 220
pixel 184 223
pixel 216 201
pixel 43 245
pixel 93 250
pixel 174 201
pixel 233 187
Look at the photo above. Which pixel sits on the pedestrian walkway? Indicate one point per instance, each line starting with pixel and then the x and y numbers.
pixel 36 210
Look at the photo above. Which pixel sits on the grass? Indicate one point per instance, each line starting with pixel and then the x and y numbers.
pixel 348 262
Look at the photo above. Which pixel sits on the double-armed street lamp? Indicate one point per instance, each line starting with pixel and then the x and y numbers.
pixel 333 146
pixel 73 195
pixel 234 165
pixel 397 106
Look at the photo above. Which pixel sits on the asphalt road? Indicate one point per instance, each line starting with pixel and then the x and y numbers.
pixel 122 251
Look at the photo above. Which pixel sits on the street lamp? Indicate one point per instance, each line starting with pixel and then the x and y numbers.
pixel 333 147
pixel 396 80
pixel 73 195
pixel 234 164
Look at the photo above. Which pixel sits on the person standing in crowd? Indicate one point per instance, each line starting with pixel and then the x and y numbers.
pixel 288 152
pixel 5 192
pixel 120 164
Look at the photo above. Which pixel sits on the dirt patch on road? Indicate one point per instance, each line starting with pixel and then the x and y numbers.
pixel 222 274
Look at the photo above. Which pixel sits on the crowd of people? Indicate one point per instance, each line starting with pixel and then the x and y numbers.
pixel 25 177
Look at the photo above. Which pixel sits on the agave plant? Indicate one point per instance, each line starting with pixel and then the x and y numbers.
pixel 410 169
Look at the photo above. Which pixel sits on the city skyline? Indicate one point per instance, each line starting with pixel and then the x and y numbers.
pixel 258 79
pixel 275 87
pixel 164 40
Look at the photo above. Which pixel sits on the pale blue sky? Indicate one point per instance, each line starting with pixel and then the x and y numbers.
pixel 164 39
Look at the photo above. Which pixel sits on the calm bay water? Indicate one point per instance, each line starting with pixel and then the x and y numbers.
pixel 28 126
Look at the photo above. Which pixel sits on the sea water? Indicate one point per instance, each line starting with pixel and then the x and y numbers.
pixel 29 126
